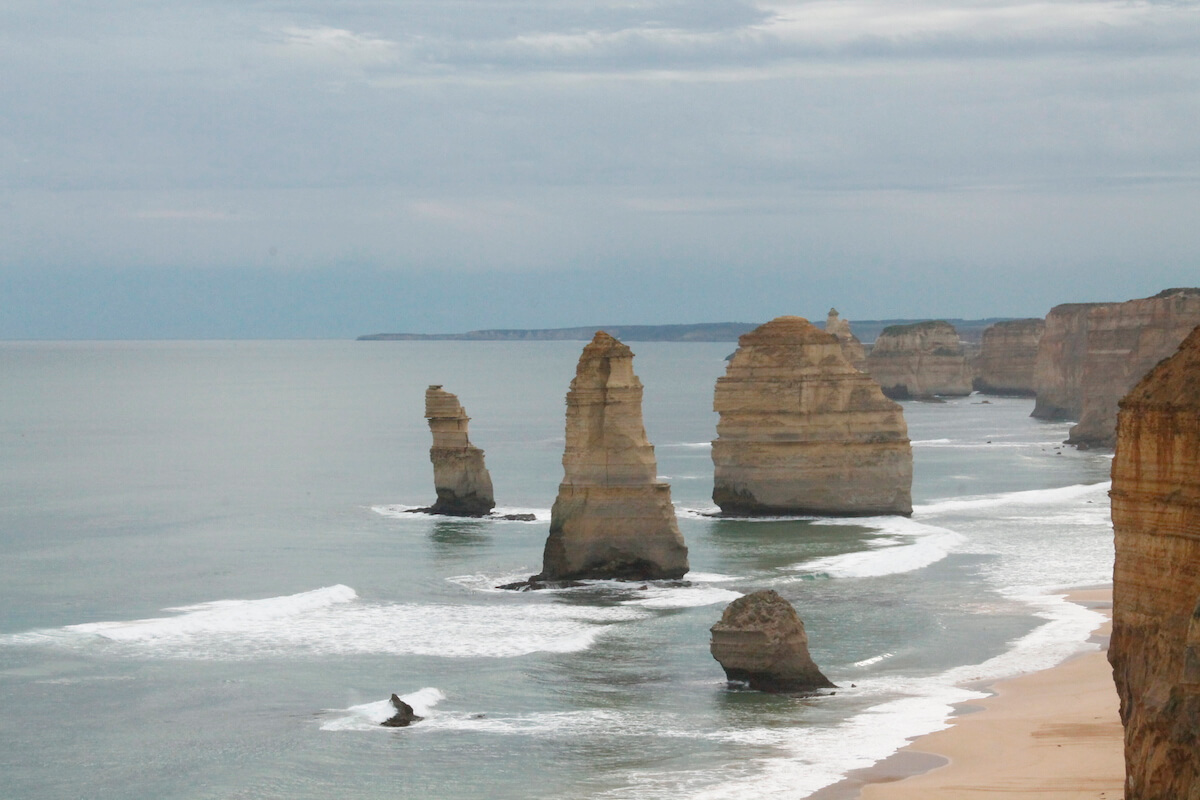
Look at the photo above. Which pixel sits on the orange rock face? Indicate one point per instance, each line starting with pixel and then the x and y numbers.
pixel 1007 357
pixel 1155 647
pixel 462 482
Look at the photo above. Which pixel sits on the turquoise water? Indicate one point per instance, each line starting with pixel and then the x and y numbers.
pixel 209 583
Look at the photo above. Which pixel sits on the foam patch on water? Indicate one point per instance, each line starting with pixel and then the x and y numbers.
pixel 1033 497
pixel 682 597
pixel 371 716
pixel 400 511
pixel 904 545
pixel 334 621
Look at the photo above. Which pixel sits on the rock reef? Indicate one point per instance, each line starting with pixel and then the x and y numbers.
pixel 924 359
pixel 761 641
pixel 1124 340
pixel 404 715
pixel 464 487
pixel 801 431
pixel 1155 645
pixel 1007 356
pixel 612 517
pixel 855 353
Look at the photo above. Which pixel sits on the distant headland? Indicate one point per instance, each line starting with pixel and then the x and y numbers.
pixel 969 330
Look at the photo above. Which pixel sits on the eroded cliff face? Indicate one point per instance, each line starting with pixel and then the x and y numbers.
pixel 462 482
pixel 1005 365
pixel 1058 368
pixel 923 359
pixel 1155 646
pixel 1124 340
pixel 853 349
pixel 612 518
pixel 802 431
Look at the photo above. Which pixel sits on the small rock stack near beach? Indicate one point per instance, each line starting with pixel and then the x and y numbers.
pixel 612 518
pixel 761 641
pixel 801 431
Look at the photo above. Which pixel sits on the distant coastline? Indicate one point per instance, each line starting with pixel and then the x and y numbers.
pixel 969 330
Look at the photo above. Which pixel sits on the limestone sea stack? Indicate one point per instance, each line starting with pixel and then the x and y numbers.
pixel 1124 340
pixel 464 487
pixel 612 517
pixel 1058 367
pixel 761 641
pixel 922 359
pixel 801 431
pixel 856 354
pixel 1007 356
pixel 1155 646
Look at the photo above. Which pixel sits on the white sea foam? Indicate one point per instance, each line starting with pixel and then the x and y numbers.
pixel 400 511
pixel 333 621
pixel 903 546
pixel 371 716
pixel 1038 497
pixel 682 597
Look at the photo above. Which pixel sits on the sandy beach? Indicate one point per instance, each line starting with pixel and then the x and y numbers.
pixel 1049 734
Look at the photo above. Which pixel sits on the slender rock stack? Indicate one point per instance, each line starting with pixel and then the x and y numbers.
pixel 1007 358
pixel 1155 646
pixel 612 518
pixel 856 354
pixel 923 359
pixel 464 487
pixel 761 641
pixel 803 432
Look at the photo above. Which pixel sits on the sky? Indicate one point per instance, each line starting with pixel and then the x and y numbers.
pixel 302 169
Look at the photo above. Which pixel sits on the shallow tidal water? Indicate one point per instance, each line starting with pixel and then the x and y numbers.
pixel 209 583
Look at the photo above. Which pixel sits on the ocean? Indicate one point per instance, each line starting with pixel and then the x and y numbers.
pixel 210 583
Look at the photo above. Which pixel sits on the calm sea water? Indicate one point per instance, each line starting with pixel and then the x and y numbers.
pixel 209 586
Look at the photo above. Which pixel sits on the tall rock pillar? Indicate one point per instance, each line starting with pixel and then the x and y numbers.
pixel 1155 647
pixel 464 487
pixel 612 518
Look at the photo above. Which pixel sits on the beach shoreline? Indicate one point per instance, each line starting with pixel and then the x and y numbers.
pixel 1054 733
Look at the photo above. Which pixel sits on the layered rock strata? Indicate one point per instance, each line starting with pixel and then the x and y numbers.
pixel 1124 340
pixel 761 641
pixel 801 431
pixel 612 517
pixel 1007 356
pixel 1058 367
pixel 1155 645
pixel 463 484
pixel 924 359
pixel 855 353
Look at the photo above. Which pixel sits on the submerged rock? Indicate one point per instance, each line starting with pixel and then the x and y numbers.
pixel 761 641
pixel 612 517
pixel 802 431
pixel 922 359
pixel 463 484
pixel 1155 645
pixel 403 717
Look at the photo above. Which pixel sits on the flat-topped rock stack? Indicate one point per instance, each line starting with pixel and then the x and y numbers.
pixel 856 354
pixel 922 359
pixel 761 641
pixel 1058 368
pixel 462 482
pixel 801 431
pixel 612 517
pixel 1007 357
pixel 1124 340
pixel 1155 646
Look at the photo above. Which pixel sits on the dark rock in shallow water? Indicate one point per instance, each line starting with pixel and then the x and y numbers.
pixel 533 585
pixel 519 517
pixel 403 717
pixel 760 641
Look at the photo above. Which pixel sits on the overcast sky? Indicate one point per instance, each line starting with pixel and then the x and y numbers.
pixel 287 168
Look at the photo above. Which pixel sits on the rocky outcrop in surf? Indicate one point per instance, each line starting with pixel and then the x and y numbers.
pixel 924 359
pixel 1124 340
pixel 404 715
pixel 801 431
pixel 612 517
pixel 1007 356
pixel 761 641
pixel 1155 645
pixel 462 482
pixel 853 349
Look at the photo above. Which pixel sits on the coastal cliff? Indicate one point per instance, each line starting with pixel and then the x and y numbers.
pixel 1007 356
pixel 924 359
pixel 801 431
pixel 1155 646
pixel 612 518
pixel 462 482
pixel 1124 340
pixel 1058 368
